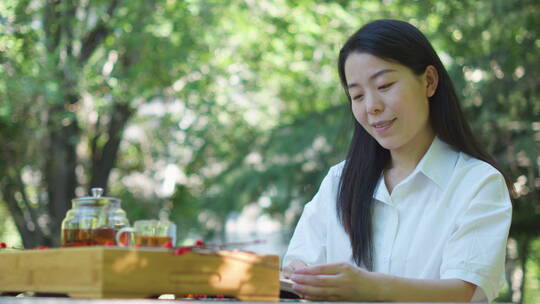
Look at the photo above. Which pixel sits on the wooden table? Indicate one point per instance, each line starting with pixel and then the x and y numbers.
pixel 29 300
pixel 112 272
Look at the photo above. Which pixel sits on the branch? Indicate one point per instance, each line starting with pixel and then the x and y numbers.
pixel 28 236
pixel 26 201
pixel 69 16
pixel 51 27
pixel 105 159
pixel 96 35
pixel 93 143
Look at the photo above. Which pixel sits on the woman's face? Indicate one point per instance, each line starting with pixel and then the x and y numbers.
pixel 389 101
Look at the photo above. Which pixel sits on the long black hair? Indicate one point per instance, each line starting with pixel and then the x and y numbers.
pixel 399 42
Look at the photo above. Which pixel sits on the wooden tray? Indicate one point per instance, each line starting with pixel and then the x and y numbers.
pixel 111 272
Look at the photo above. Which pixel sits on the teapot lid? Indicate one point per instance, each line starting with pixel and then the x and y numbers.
pixel 96 197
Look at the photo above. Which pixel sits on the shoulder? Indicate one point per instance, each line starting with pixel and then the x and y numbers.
pixel 330 184
pixel 480 180
pixel 473 171
pixel 475 166
pixel 335 170
pixel 455 170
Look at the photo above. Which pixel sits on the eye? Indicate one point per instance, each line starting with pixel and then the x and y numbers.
pixel 386 86
pixel 358 97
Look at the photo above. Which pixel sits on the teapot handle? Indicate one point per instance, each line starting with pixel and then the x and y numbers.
pixel 129 239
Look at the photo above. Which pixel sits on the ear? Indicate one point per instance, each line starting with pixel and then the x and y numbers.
pixel 432 80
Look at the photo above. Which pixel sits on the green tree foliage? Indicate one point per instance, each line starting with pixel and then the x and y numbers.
pixel 196 109
pixel 73 74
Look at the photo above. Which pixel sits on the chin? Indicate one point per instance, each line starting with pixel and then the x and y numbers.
pixel 388 143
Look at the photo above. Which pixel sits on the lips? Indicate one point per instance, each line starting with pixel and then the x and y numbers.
pixel 382 123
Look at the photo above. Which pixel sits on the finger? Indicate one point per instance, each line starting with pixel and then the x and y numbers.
pixel 294 265
pixel 322 299
pixel 315 292
pixel 286 272
pixel 315 280
pixel 297 264
pixel 328 269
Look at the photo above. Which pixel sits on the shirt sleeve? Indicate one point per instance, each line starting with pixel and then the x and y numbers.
pixel 308 242
pixel 476 250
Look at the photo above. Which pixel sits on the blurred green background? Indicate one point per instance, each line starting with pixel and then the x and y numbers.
pixel 197 110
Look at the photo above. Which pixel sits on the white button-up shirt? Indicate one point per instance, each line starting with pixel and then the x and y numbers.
pixel 449 219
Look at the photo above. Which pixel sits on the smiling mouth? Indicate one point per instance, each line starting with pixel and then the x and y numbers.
pixel 383 124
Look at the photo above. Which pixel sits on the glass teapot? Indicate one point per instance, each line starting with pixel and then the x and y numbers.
pixel 93 220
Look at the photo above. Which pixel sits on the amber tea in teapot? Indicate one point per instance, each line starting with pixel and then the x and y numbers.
pixel 104 236
pixel 77 237
pixel 93 220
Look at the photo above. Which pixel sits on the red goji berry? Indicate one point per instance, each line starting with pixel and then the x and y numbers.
pixel 182 250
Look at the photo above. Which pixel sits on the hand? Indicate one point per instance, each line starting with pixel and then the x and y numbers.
pixel 335 282
pixel 292 267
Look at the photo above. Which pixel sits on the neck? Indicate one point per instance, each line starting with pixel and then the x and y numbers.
pixel 406 158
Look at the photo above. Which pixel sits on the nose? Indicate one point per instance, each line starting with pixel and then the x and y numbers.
pixel 374 104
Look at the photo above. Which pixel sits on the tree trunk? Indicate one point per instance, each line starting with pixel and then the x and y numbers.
pixel 60 177
pixel 516 268
pixel 29 230
pixel 524 257
pixel 104 159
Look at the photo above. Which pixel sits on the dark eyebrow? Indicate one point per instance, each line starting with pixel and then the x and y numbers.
pixel 379 73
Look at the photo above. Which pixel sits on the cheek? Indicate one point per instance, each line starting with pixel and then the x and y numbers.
pixel 359 113
pixel 417 106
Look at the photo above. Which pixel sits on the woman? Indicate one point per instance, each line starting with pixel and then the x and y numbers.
pixel 418 210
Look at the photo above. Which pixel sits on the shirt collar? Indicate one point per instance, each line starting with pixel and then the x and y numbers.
pixel 437 164
pixel 381 192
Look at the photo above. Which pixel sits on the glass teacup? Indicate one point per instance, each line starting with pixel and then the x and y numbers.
pixel 147 233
